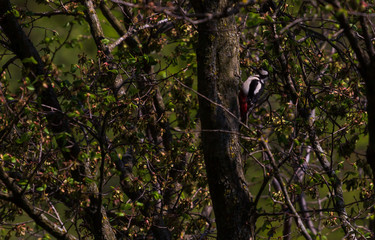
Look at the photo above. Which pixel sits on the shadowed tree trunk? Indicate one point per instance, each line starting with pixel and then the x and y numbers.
pixel 218 80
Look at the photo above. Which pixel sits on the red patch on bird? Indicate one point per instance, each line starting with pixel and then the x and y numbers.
pixel 243 106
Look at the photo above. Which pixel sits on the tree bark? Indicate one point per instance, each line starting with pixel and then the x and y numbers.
pixel 218 80
pixel 369 77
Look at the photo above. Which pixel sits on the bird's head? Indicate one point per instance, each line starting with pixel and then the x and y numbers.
pixel 263 74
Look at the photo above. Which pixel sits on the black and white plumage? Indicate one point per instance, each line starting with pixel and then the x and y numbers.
pixel 250 92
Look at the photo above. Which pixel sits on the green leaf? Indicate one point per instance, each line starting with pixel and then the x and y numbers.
pixel 127 206
pixel 15 13
pixel 105 41
pixel 115 71
pixel 132 60
pixel 254 19
pixel 269 18
pixel 23 182
pixel 42 188
pixel 29 60
pixel 24 138
pixel 120 214
pixel 163 74
pixel 47 40
pixel 46 237
pixel 73 68
pixel 31 88
pixel 328 7
pixel 110 99
pixel 72 114
pixel 139 204
pixel 156 195
pixel 88 180
pixel 342 11
pixel 45 130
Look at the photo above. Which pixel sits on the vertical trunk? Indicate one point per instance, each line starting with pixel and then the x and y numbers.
pixel 218 80
pixel 368 75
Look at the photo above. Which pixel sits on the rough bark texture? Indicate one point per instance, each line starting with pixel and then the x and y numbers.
pixel 218 80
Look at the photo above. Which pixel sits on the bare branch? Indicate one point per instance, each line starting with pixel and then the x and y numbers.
pixel 201 17
pixel 284 190
pixel 336 184
pixel 22 202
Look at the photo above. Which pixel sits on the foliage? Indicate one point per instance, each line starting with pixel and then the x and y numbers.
pixel 132 108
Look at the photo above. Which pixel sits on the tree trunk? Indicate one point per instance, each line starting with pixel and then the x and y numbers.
pixel 369 76
pixel 218 80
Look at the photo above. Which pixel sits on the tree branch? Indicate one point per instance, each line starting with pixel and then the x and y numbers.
pixel 24 49
pixel 368 39
pixel 343 20
pixel 336 184
pixel 22 202
pixel 284 190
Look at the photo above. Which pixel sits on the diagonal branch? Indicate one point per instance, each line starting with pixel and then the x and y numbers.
pixel 339 203
pixel 284 190
pixel 368 40
pixel 130 188
pixel 363 58
pixel 120 29
pixel 22 202
pixel 24 49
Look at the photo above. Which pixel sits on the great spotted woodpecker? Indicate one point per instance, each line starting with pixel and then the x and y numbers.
pixel 250 92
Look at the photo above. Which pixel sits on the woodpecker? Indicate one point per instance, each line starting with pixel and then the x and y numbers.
pixel 250 92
